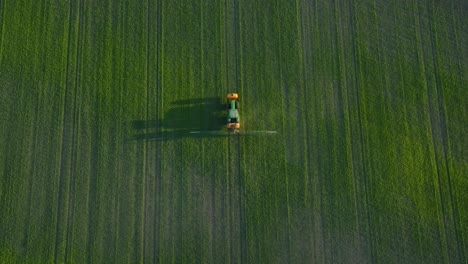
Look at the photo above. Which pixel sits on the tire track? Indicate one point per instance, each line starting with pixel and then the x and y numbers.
pixel 318 218
pixel 212 197
pixel 354 150
pixel 307 130
pixel 459 67
pixel 62 170
pixel 339 89
pixel 159 107
pixel 234 175
pixel 352 84
pixel 342 17
pixel 2 29
pixel 145 197
pixel 242 237
pixel 33 140
pixel 117 185
pixel 443 126
pixel 419 29
pixel 232 150
pixel 349 82
pixel 357 67
pixel 74 135
pixel 321 160
pixel 286 107
pixel 93 206
pixel 32 166
pixel 226 55
pixel 238 59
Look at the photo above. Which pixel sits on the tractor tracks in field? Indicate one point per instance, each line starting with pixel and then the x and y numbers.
pixel 234 177
pixel 2 19
pixel 211 210
pixel 361 153
pixel 75 131
pixel 159 107
pixel 152 165
pixel 117 183
pixel 231 62
pixel 419 30
pixel 317 216
pixel 234 173
pixel 66 135
pixel 443 129
pixel 32 167
pixel 238 54
pixel 145 198
pixel 353 82
pixel 289 93
pixel 439 131
pixel 239 194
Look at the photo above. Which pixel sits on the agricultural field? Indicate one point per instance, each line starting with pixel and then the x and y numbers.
pixel 369 99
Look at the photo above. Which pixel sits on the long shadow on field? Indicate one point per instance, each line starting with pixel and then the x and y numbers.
pixel 197 114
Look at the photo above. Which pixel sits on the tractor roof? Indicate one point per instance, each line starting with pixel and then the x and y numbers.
pixel 232 113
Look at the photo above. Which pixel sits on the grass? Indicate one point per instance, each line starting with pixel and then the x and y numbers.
pixel 97 100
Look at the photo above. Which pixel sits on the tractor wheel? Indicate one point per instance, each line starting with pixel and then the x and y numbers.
pixel 237 105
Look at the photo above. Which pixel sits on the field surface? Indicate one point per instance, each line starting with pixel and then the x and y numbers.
pixel 369 99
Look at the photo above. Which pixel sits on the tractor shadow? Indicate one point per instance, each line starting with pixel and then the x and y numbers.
pixel 184 116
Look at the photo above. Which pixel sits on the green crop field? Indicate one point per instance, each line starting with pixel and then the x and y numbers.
pixel 369 99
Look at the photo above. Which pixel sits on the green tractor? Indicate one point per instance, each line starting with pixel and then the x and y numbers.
pixel 233 119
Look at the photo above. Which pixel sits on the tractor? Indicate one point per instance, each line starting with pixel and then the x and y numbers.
pixel 233 119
